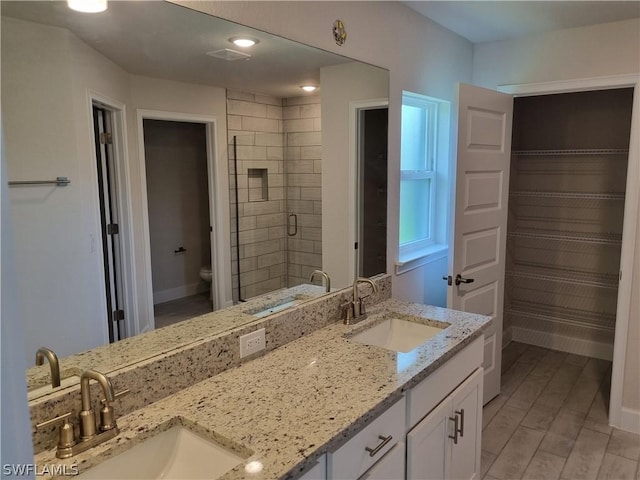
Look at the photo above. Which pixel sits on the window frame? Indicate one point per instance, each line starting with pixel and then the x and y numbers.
pixel 430 108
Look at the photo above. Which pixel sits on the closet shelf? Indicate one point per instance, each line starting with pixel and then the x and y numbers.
pixel 586 151
pixel 568 195
pixel 568 277
pixel 578 237
pixel 525 312
pixel 576 315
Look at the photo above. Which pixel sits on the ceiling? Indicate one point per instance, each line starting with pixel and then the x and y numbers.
pixel 488 21
pixel 164 40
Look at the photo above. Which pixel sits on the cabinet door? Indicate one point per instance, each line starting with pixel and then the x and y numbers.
pixel 467 406
pixel 428 451
pixel 389 466
pixel 319 472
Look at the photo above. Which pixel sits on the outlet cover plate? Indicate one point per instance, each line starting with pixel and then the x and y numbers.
pixel 252 342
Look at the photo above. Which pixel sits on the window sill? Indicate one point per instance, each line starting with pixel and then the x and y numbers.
pixel 421 257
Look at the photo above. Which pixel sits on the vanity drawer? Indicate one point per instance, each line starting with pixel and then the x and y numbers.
pixel 352 459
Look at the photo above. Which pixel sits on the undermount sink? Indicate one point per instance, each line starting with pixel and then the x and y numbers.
pixel 176 453
pixel 397 334
pixel 278 306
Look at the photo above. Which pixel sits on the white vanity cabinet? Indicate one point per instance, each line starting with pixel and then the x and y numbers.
pixel 450 397
pixel 318 472
pixel 446 443
pixel 372 446
pixel 417 437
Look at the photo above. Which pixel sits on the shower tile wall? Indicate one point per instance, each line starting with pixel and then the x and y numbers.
pixel 303 166
pixel 268 130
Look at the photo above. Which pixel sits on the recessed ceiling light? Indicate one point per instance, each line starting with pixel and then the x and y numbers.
pixel 244 42
pixel 87 6
pixel 308 88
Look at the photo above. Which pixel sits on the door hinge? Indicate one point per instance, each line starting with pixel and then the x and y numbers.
pixel 117 315
pixel 113 229
pixel 106 139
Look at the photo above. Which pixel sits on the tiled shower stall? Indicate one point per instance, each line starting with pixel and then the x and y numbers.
pixel 276 209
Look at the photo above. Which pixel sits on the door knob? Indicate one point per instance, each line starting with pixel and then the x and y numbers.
pixel 460 280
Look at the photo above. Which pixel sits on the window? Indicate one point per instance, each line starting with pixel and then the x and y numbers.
pixel 423 176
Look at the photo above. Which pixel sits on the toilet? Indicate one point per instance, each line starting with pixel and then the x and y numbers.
pixel 205 274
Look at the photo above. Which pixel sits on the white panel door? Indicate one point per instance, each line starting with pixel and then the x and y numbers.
pixel 478 240
pixel 428 450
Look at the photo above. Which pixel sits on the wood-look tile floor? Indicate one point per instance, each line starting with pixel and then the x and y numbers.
pixel 181 309
pixel 550 420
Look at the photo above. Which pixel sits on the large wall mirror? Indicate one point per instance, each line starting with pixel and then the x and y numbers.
pixel 191 168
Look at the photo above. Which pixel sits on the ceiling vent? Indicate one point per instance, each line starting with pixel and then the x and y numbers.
pixel 229 55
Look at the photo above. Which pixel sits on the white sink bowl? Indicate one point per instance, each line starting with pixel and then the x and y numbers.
pixel 397 335
pixel 176 453
pixel 277 306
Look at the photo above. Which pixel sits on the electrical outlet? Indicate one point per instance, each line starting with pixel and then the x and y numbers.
pixel 252 342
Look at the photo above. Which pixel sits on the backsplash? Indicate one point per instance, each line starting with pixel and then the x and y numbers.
pixel 168 373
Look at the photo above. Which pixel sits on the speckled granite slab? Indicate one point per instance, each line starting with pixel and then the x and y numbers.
pixel 301 400
pixel 167 373
pixel 129 351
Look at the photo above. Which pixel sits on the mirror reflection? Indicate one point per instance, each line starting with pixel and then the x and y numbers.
pixel 198 172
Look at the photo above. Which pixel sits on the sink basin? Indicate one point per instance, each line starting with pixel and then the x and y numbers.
pixel 46 389
pixel 397 334
pixel 176 453
pixel 277 306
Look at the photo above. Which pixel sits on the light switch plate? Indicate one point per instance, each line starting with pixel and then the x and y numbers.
pixel 252 342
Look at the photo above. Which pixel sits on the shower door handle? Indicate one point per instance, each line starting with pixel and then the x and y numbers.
pixel 295 225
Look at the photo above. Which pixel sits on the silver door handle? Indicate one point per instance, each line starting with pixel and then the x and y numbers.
pixel 460 279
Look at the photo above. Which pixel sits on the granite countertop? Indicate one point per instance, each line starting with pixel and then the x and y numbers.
pixel 107 358
pixel 287 408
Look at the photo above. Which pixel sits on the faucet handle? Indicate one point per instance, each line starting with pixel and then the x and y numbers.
pixel 107 418
pixel 66 436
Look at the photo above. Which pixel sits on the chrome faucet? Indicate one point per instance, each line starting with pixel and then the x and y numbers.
pixel 355 311
pixel 89 435
pixel 327 280
pixel 54 365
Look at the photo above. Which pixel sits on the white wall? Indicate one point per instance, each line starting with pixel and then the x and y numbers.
pixel 190 100
pixel 605 49
pixel 340 85
pixel 422 57
pixel 599 50
pixel 46 72
pixel 47 76
pixel 14 415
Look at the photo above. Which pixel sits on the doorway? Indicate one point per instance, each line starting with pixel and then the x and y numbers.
pixel 103 128
pixel 371 245
pixel 179 219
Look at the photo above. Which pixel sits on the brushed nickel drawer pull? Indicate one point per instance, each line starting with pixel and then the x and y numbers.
pixel 385 440
pixel 461 413
pixel 456 429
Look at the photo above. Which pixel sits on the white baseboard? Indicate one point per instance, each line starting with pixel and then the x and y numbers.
pixel 554 341
pixel 629 420
pixel 179 292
